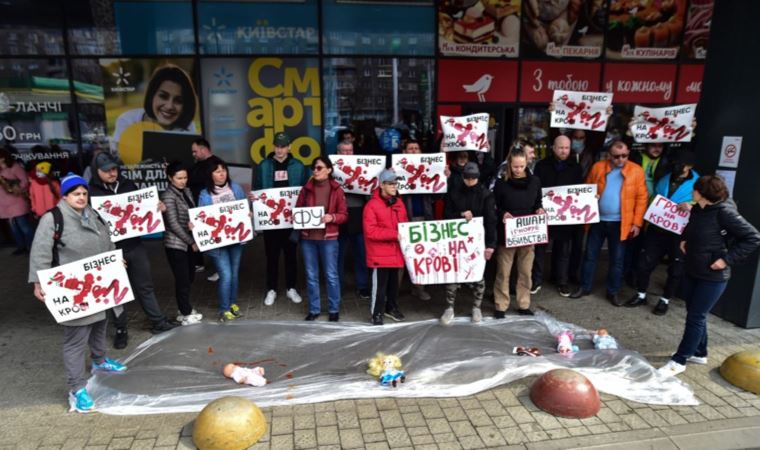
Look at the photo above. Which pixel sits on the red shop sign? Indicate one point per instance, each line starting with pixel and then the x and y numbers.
pixel 640 83
pixel 690 83
pixel 468 80
pixel 541 78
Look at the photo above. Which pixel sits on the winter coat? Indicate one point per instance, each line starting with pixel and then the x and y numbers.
pixel 177 235
pixel 519 197
pixel 717 231
pixel 122 185
pixel 336 206
pixel 634 196
pixel 14 205
pixel 480 202
pixel 682 193
pixel 381 219
pixel 44 193
pixel 297 175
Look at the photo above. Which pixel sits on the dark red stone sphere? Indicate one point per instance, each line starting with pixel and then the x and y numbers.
pixel 565 393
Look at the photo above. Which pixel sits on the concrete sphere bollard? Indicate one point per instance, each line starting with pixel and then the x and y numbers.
pixel 565 393
pixel 743 370
pixel 229 423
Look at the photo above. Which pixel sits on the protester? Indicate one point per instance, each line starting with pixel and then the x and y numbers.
pixel 320 245
pixel 516 193
pixel 178 240
pixel 280 169
pixel 456 166
pixel 14 204
pixel 106 180
pixel 196 181
pixel 84 235
pixel 473 199
pixel 583 154
pixel 44 189
pixel 622 203
pixel 383 213
pixel 716 239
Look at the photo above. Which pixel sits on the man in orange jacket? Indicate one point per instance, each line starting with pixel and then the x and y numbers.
pixel 622 192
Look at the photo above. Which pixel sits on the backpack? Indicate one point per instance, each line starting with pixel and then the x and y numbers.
pixel 58 232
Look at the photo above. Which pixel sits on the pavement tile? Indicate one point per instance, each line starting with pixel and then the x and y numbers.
pixel 371 425
pixel 469 403
pixel 578 431
pixel 520 414
pixel 506 397
pixel 366 411
pixel 607 415
pixel 490 436
pixel 348 419
pixel 377 446
pixel 398 437
pixel 513 435
pixel 391 419
pixel 479 417
pixel 455 413
pixel 406 409
pixel 634 421
pixel 493 408
pixel 449 446
pixel 694 417
pixel 345 405
pixel 421 439
pixel 618 426
pixel 375 437
pixel 386 404
pixel 546 421
pixel 709 412
pixel 557 433
pixel 351 438
pixel 76 444
pixel 444 437
pixel 143 444
pixel 185 443
pixel 305 439
pixel 437 426
pixel 167 439
pixel 304 422
pixel 471 442
pixel 618 407
pixel 413 420
pixel 462 428
pixel 281 425
pixel 598 429
pixel 328 435
pixel 417 431
pixel 504 422
pixel 284 442
pixel 431 411
pixel 326 418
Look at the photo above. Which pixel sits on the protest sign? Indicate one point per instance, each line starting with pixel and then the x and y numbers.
pixel 444 251
pixel 465 133
pixel 526 230
pixel 221 224
pixel 665 214
pixel 571 205
pixel 131 214
pixel 357 174
pixel 308 218
pixel 85 287
pixel 420 173
pixel 580 110
pixel 671 124
pixel 273 208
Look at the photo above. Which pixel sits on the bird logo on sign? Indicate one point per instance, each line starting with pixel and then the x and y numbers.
pixel 480 87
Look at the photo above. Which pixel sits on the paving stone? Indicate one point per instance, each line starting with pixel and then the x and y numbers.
pixel 462 428
pixel 304 422
pixel 694 417
pixel 598 429
pixel 634 421
pixel 351 438
pixel 471 442
pixel 100 437
pixel 384 404
pixel 328 435
pixel 391 419
pixel 143 444
pixel 375 437
pixel 520 414
pixel 76 444
pixel 371 425
pixel 437 426
pixel 305 438
pixel 493 408
pixel 397 437
pixel 513 435
pixel 326 418
pixel 377 446
pixel 671 417
pixel 490 436
pixel 348 419
pixel 557 433
pixel 444 437
pixel 502 422
pixel 606 415
pixel 421 439
pixel 578 431
pixel 449 446
pixel 413 420
pixel 284 442
pixel 455 413
pixel 479 417
pixel 652 418
pixel 185 443
pixel 432 411
pixel 345 405
pixel 709 412
pixel 167 439
pixel 618 426
pixel 618 407
pixel 406 409
pixel 322 407
pixel 546 421
pixel 281 425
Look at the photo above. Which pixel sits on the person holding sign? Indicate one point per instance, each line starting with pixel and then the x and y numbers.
pixel 383 213
pixel 320 245
pixel 517 193
pixel 84 235
pixel 716 238
pixel 473 199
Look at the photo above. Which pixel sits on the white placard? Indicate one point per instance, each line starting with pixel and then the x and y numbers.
pixel 729 176
pixel 571 205
pixel 465 133
pixel 420 173
pixel 580 110
pixel 665 214
pixel 357 174
pixel 308 218
pixel 273 208
pixel 526 230
pixel 671 124
pixel 221 224
pixel 730 151
pixel 85 287
pixel 131 214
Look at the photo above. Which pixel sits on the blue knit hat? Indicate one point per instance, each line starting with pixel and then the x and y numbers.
pixel 71 181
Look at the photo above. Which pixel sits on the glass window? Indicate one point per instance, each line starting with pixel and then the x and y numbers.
pixel 284 27
pixel 114 27
pixel 378 27
pixel 88 89
pixel 31 28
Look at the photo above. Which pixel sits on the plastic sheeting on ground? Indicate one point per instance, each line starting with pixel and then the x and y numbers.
pixel 307 362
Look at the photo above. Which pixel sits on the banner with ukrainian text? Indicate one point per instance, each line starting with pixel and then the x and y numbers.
pixel 580 110
pixel 671 124
pixel 420 173
pixel 273 208
pixel 131 214
pixel 571 205
pixel 221 224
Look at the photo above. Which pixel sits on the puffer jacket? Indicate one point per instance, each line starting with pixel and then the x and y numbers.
pixel 336 205
pixel 717 231
pixel 682 193
pixel 177 235
pixel 634 196
pixel 381 219
pixel 479 201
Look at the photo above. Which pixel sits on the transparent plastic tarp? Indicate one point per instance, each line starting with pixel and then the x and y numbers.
pixel 308 362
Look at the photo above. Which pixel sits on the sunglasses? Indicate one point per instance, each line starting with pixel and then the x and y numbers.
pixel 318 168
pixel 621 156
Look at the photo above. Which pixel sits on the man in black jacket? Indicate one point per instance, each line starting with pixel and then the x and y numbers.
pixel 107 181
pixel 471 199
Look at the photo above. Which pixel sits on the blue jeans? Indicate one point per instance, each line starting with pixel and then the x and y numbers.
pixel 23 231
pixel 327 252
pixel 361 273
pixel 227 262
pixel 596 236
pixel 700 296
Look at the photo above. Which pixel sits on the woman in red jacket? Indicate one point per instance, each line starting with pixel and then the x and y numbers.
pixel 382 214
pixel 320 245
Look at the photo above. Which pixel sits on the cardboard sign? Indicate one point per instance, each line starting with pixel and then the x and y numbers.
pixel 308 218
pixel 221 225
pixel 357 174
pixel 444 251
pixel 420 173
pixel 571 205
pixel 665 214
pixel 580 110
pixel 465 133
pixel 526 230
pixel 273 208
pixel 730 150
pixel 85 287
pixel 671 124
pixel 131 214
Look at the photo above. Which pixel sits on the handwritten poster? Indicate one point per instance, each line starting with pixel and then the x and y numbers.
pixel 420 173
pixel 465 133
pixel 357 174
pixel 580 110
pixel 273 208
pixel 571 205
pixel 85 287
pixel 308 218
pixel 131 214
pixel 221 225
pixel 526 230
pixel 444 251
pixel 665 214
pixel 671 124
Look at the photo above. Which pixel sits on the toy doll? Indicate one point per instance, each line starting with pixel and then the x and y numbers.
pixel 603 340
pixel 387 369
pixel 565 343
pixel 242 375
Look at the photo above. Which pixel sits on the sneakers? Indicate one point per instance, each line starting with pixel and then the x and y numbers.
pixel 161 327
pixel 671 369
pixel 702 360
pixel 363 294
pixel 214 277
pixel 292 294
pixel 121 339
pixel 199 269
pixel 108 365
pixel 661 309
pixel 333 317
pixel 447 316
pixel 477 315
pixel 80 401
pixel 377 319
pixel 535 288
pixel 578 293
pixel 419 292
pixel 636 300
pixel 395 314
pixel 235 310
pixel 564 290
pixel 227 316
pixel 190 319
pixel 270 297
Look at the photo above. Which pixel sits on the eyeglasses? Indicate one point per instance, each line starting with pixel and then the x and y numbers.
pixel 318 168
pixel 620 156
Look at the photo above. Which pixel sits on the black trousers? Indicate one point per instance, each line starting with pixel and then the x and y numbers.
pixel 384 290
pixel 139 273
pixel 561 247
pixel 276 242
pixel 182 264
pixel 657 243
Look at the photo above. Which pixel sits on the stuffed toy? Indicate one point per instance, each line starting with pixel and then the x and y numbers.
pixel 603 340
pixel 565 342
pixel 387 369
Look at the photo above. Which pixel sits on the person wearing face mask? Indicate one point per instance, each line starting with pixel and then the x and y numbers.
pixel 581 151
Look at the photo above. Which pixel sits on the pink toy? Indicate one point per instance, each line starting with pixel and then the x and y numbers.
pixel 243 375
pixel 565 342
